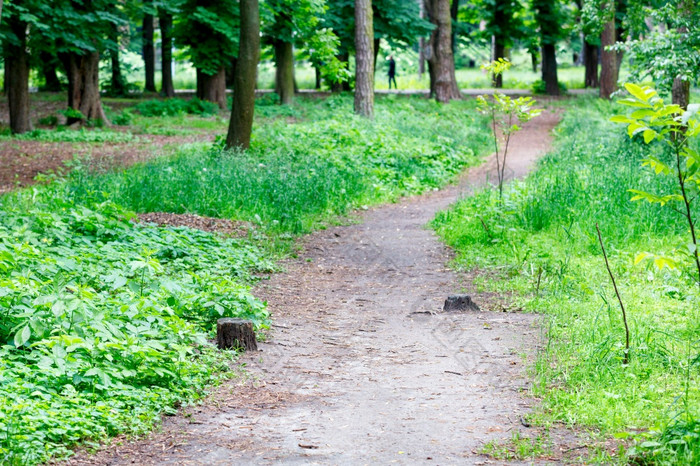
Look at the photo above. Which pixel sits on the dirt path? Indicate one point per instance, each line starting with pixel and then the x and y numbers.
pixel 362 366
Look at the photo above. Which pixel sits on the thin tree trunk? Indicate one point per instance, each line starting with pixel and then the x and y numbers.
pixel 336 87
pixel 241 124
pixel 317 72
pixel 499 51
pixel 533 60
pixel 377 43
pixel 84 86
pixel 166 32
pixel 284 72
pixel 441 59
pixel 608 60
pixel 17 77
pixel 680 92
pixel 590 61
pixel 421 43
pixel 364 58
pixel 48 66
pixel 149 53
pixel 117 81
pixel 549 69
pixel 212 87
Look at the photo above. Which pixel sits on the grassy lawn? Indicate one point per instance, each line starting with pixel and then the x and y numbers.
pixel 539 246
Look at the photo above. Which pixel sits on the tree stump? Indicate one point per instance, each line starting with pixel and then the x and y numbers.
pixel 235 334
pixel 460 302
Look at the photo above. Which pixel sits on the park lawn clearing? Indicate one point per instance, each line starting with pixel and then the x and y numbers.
pixel 107 323
pixel 539 243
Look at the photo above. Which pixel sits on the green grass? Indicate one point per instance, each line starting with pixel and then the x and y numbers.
pixel 299 175
pixel 540 243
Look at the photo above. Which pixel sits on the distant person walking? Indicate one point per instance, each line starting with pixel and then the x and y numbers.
pixel 392 72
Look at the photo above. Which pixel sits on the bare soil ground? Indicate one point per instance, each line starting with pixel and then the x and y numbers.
pixel 22 161
pixel 362 366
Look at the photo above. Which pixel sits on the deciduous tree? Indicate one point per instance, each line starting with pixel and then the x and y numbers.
pixel 443 83
pixel 241 124
pixel 364 59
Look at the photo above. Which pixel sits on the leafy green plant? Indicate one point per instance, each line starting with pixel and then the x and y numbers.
pixel 50 120
pixel 62 134
pixel 538 87
pixel 504 112
pixel 172 107
pixel 124 118
pixel 653 120
pixel 105 323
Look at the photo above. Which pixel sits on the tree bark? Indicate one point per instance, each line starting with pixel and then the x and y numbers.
pixel 549 69
pixel 608 60
pixel 284 71
pixel 364 58
pixel 212 87
pixel 84 86
pixel 241 124
pixel 680 91
pixel 235 334
pixel 441 59
pixel 590 61
pixel 166 33
pixel 149 53
pixel 421 43
pixel 17 77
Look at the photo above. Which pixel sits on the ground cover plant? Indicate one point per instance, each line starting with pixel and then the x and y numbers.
pixel 305 166
pixel 540 244
pixel 105 322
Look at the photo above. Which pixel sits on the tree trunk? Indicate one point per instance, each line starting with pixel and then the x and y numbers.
pixel 241 124
pixel 498 52
pixel 343 57
pixel 533 60
pixel 364 58
pixel 117 82
pixel 608 61
pixel 284 72
pixel 680 92
pixel 84 86
pixel 17 77
pixel 317 72
pixel 166 33
pixel 549 69
pixel 590 61
pixel 377 43
pixel 454 11
pixel 212 87
pixel 441 59
pixel 235 334
pixel 149 53
pixel 48 66
pixel 421 43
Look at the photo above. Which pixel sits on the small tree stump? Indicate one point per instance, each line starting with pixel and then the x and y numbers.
pixel 460 302
pixel 235 334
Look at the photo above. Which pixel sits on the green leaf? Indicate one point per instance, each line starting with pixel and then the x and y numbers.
pixel 22 336
pixel 641 93
pixel 649 135
pixel 641 256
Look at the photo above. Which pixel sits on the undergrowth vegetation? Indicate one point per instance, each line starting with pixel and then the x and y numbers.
pixel 540 243
pixel 303 172
pixel 105 322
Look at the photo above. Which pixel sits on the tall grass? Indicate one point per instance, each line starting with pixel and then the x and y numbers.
pixel 308 168
pixel 541 244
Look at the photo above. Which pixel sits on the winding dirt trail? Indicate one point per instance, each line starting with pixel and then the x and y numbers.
pixel 362 366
